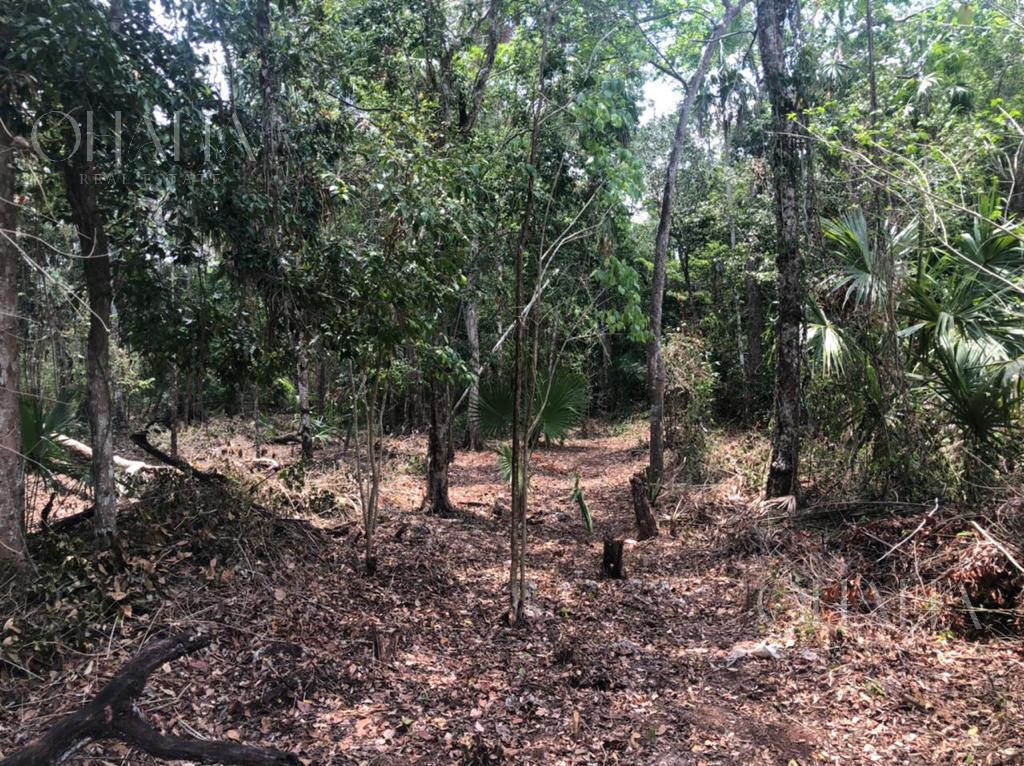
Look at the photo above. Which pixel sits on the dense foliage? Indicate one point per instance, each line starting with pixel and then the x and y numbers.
pixel 326 208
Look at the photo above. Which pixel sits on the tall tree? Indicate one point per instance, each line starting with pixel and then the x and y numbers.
pixel 12 464
pixel 459 100
pixel 655 365
pixel 81 188
pixel 773 18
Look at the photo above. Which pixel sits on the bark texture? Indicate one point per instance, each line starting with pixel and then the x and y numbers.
pixel 772 19
pixel 80 185
pixel 302 384
pixel 457 114
pixel 439 452
pixel 646 524
pixel 473 339
pixel 12 464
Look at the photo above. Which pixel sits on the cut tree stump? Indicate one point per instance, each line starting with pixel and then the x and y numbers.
pixel 113 714
pixel 611 561
pixel 646 524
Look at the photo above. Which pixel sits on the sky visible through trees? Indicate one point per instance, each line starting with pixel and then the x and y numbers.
pixel 504 317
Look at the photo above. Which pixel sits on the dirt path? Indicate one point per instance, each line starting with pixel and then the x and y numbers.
pixel 627 672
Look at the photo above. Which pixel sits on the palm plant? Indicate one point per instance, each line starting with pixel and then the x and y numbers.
pixel 971 293
pixel 870 268
pixel 39 430
pixel 559 404
pixel 827 344
pixel 972 386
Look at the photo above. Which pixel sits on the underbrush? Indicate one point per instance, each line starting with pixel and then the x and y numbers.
pixel 78 598
pixel 929 568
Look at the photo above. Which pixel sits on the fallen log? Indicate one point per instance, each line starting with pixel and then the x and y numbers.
pixel 141 440
pixel 266 462
pixel 113 714
pixel 84 451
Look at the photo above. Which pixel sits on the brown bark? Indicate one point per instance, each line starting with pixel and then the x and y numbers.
pixel 473 338
pixel 655 366
pixel 439 452
pixel 80 185
pixel 302 383
pixel 772 16
pixel 755 333
pixel 646 524
pixel 12 464
pixel 113 714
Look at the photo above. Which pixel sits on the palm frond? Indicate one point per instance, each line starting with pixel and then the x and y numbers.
pixel 826 343
pixel 559 405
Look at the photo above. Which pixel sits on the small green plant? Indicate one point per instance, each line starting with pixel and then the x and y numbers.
pixel 416 465
pixel 504 452
pixel 577 497
pixel 39 430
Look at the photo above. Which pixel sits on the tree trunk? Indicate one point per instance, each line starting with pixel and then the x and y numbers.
pixel 302 384
pixel 175 407
pixel 80 183
pixel 12 464
pixel 783 469
pixel 439 451
pixel 755 334
pixel 473 337
pixel 520 357
pixel 655 366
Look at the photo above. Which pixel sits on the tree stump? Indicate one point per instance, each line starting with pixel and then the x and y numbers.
pixel 646 524
pixel 611 561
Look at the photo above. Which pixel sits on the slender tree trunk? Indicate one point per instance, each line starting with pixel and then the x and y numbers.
pixel 80 183
pixel 12 464
pixel 655 366
pixel 520 401
pixel 755 334
pixel 302 384
pixel 473 338
pixel 684 263
pixel 783 469
pixel 175 407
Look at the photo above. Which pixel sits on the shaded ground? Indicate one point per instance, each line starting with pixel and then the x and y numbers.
pixel 630 672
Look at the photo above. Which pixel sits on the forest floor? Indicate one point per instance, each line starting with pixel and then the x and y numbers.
pixel 713 650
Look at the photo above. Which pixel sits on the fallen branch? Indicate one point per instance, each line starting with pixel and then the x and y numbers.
pixel 285 439
pixel 999 546
pixel 113 714
pixel 69 522
pixel 141 440
pixel 906 539
pixel 84 451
